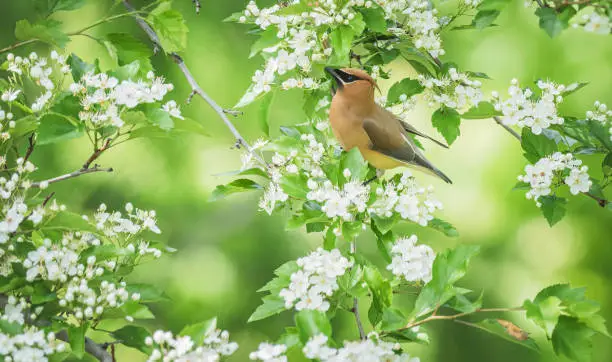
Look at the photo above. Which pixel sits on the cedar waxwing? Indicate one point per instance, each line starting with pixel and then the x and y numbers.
pixel 357 121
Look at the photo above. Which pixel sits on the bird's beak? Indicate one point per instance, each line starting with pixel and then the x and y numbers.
pixel 332 72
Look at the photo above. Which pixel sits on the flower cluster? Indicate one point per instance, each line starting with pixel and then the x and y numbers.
pixel 454 90
pixel 103 97
pixel 371 349
pixel 29 343
pixel 553 171
pixel 407 198
pixel 267 352
pixel 315 280
pixel 602 114
pixel 304 38
pixel 595 23
pixel 342 202
pixel 411 261
pixel 136 221
pixel 167 347
pixel 524 109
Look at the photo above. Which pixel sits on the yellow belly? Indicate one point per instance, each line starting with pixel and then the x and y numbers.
pixel 379 160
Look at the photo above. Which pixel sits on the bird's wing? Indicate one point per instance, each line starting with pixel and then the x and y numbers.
pixel 392 142
pixel 410 129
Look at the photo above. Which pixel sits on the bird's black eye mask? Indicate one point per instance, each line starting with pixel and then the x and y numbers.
pixel 346 77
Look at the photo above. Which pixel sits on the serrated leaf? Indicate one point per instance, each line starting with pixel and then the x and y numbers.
pixel 446 121
pixel 311 323
pixel 267 39
pixel 46 30
pixel 169 26
pixel 553 208
pixel 374 18
pixel 271 305
pixel 239 185
pixel 406 86
pixel 199 331
pixel 54 128
pixel 552 22
pixel 79 67
pixel 264 112
pixel 485 18
pixel 354 162
pixel 67 5
pixel 448 267
pixel 392 318
pixel 76 337
pixel 382 294
pixel 481 111
pixel 443 226
pixel 572 339
pixel 341 40
pixel 129 49
pixel 133 336
pixel 294 185
pixel 536 146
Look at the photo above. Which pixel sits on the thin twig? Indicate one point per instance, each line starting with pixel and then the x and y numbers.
pixel 70 175
pixel 31 143
pixel 507 128
pixel 91 347
pixel 195 87
pixel 355 309
pixel 97 152
pixel 17 45
pixel 456 316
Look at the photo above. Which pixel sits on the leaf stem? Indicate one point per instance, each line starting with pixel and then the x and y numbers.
pixel 355 309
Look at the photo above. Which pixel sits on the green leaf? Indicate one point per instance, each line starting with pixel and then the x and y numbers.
pixel 148 293
pixel 329 240
pixel 79 67
pixel 54 128
pixel 444 227
pixel 129 49
pixel 481 111
pixel 264 112
pixel 45 30
pixel 272 305
pixel 239 185
pixel 199 331
pixel 76 336
pixel 493 4
pixel 133 336
pixel 552 22
pixel 536 146
pixel 382 293
pixel 406 86
pixel 374 18
pixel 190 126
pixel 446 121
pixel 385 224
pixel 545 313
pixel 267 38
pixel 449 266
pixel 169 26
pixel 311 323
pixel 128 72
pixel 294 185
pixel 485 18
pixel 351 229
pixel 354 162
pixel 392 318
pixel 494 327
pixel 66 220
pixel 357 24
pixel 553 208
pixel 68 5
pixel 572 339
pixel 341 40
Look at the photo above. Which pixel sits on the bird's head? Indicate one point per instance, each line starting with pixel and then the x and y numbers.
pixel 353 83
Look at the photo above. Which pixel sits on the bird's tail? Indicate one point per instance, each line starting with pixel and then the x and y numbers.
pixel 424 165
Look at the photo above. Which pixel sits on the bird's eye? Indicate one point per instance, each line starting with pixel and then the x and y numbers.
pixel 351 78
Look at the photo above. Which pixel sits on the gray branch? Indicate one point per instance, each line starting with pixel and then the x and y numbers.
pixel 195 87
pixel 507 128
pixel 74 174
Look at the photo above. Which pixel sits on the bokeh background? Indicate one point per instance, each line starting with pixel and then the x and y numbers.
pixel 227 249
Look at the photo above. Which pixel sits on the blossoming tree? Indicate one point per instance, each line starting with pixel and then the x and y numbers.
pixel 65 274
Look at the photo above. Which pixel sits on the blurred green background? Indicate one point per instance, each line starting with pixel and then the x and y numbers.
pixel 227 249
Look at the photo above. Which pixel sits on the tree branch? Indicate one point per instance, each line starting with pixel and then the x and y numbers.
pixel 195 87
pixel 91 347
pixel 355 309
pixel 456 316
pixel 507 128
pixel 73 174
pixel 17 45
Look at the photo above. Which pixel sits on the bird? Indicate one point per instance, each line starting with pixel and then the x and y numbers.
pixel 358 121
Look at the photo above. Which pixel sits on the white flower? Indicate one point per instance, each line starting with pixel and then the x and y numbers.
pixel 10 94
pixel 371 349
pixel 269 353
pixel 597 23
pixel 172 108
pixel 578 180
pixel 411 261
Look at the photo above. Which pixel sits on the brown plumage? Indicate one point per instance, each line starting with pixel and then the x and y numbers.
pixel 357 121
